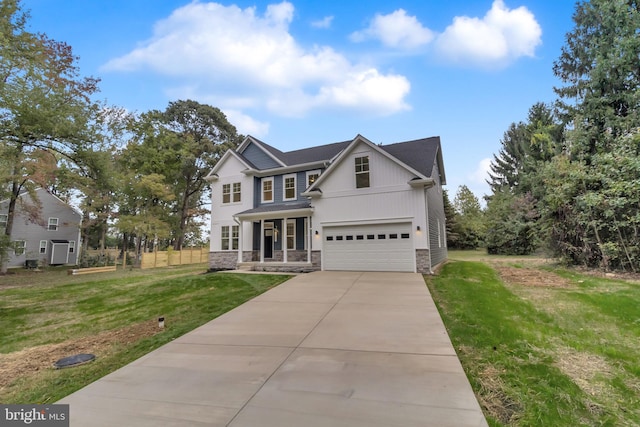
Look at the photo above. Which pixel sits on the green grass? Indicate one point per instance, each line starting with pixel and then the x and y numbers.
pixel 51 307
pixel 556 355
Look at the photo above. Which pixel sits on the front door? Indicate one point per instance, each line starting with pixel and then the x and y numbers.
pixel 268 242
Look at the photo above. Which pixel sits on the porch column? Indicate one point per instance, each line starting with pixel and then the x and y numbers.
pixel 284 239
pixel 262 240
pixel 240 235
pixel 309 239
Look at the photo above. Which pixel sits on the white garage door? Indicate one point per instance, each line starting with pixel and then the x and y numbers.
pixel 378 247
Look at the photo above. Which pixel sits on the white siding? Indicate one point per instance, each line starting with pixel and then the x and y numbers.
pixel 222 213
pixel 390 198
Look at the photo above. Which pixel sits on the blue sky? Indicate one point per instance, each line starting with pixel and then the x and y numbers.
pixel 301 73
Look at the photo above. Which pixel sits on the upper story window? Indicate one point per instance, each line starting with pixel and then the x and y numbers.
pixel 312 176
pixel 4 218
pixel 231 192
pixel 289 187
pixel 53 224
pixel 267 190
pixel 362 172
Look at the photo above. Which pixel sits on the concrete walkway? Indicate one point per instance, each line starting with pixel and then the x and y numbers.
pixel 323 349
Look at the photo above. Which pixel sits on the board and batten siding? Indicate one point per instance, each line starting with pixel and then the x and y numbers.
pixel 222 213
pixel 389 198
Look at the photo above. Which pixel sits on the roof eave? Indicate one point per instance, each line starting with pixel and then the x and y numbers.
pixel 276 214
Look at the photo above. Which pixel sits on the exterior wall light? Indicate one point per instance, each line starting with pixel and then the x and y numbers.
pixel 418 228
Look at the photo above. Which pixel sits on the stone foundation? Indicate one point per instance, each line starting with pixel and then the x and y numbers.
pixel 223 260
pixel 423 263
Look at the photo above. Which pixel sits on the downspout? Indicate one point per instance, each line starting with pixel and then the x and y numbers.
pixel 240 237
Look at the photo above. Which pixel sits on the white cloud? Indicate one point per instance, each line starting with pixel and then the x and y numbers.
pixel 229 53
pixel 247 125
pixel 397 30
pixel 501 36
pixel 323 23
pixel 481 174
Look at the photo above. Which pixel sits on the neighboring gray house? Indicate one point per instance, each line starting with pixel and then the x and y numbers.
pixel 351 205
pixel 49 235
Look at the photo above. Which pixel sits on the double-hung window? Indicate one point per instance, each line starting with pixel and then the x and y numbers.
pixel 4 218
pixel 267 190
pixel 43 246
pixel 231 192
pixel 19 247
pixel 312 176
pixel 53 224
pixel 362 172
pixel 291 234
pixel 72 246
pixel 237 192
pixel 229 237
pixel 289 187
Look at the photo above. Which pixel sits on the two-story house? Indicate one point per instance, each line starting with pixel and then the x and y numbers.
pixel 350 205
pixel 45 231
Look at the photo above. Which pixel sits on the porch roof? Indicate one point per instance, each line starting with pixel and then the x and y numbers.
pixel 277 211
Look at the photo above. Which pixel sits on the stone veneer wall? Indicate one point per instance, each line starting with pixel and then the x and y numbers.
pixel 223 260
pixel 423 261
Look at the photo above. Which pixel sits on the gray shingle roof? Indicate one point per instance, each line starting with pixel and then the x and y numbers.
pixel 419 154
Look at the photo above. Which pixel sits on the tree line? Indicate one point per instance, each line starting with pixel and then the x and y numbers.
pixel 567 180
pixel 141 174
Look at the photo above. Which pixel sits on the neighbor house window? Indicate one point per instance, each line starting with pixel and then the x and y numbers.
pixel 291 234
pixel 19 247
pixel 267 190
pixel 227 195
pixel 362 172
pixel 311 177
pixel 289 187
pixel 72 247
pixel 4 218
pixel 53 224
pixel 43 246
pixel 229 237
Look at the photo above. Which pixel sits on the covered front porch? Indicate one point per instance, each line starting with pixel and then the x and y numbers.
pixel 280 239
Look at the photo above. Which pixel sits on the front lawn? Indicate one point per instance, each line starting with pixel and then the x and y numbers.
pixel 542 346
pixel 47 316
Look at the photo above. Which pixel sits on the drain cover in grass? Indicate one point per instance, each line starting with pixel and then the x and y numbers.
pixel 78 359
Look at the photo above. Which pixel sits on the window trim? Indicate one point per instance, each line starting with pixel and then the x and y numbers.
pixel 262 182
pixel 43 248
pixel 229 192
pixel 363 172
pixel 284 186
pixel 311 173
pixel 50 223
pixel 231 237
pixel 235 193
pixel 72 246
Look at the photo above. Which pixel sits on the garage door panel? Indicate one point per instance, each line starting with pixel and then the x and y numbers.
pixel 379 247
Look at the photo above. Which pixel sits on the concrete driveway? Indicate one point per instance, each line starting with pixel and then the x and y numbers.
pixel 323 349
